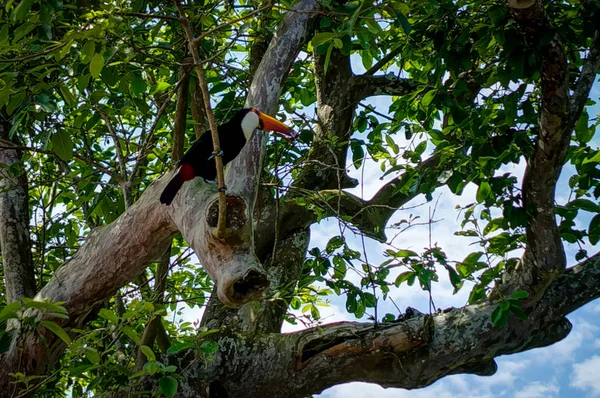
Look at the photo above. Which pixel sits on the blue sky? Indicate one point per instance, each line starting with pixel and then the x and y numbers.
pixel 570 368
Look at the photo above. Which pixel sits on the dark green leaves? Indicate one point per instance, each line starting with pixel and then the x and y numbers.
pixel 21 10
pixel 168 386
pixel 507 307
pixel 62 145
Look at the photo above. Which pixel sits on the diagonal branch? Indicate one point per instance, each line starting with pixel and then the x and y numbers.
pixel 586 80
pixel 368 86
pixel 368 216
pixel 381 63
pixel 211 120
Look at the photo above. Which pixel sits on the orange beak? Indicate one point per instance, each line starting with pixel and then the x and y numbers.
pixel 267 123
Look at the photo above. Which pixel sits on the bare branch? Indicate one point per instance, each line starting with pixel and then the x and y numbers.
pixel 381 63
pixel 36 55
pixel 150 16
pixel 367 86
pixel 211 120
pixel 180 115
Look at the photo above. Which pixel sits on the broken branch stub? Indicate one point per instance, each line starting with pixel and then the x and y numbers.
pixel 230 260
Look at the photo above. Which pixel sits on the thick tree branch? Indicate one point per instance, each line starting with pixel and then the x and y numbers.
pixel 544 257
pixel 409 353
pixel 368 216
pixel 243 174
pixel 368 86
pixel 15 244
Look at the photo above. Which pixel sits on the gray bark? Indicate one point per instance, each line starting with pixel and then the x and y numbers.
pixel 15 244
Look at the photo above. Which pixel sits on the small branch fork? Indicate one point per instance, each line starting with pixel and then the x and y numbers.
pixel 211 120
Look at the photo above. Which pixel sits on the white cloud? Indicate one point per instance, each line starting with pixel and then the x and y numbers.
pixel 442 389
pixel 564 351
pixel 593 307
pixel 538 390
pixel 508 373
pixel 585 376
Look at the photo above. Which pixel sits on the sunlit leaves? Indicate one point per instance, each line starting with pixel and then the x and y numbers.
pixel 96 65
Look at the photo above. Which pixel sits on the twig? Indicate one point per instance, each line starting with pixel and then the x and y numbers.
pixel 150 16
pixel 8 145
pixel 195 41
pixel 211 120
pixel 379 64
pixel 36 55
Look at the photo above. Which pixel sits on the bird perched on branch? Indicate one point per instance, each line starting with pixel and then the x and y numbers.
pixel 199 160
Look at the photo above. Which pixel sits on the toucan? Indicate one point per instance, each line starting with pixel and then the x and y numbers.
pixel 199 160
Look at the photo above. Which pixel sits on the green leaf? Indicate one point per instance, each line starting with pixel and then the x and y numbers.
pixel 45 306
pixel 109 315
pixel 208 347
pixel 403 21
pixel 584 204
pixel 369 300
pixel 147 351
pixel 67 95
pixel 129 332
pixel 497 316
pixel 92 355
pixel 4 95
pixel 138 84
pixel 57 330
pixel 593 159
pixel 516 311
pixel 88 50
pixel 327 58
pixel 62 145
pixel 427 98
pixel 96 65
pixel 168 385
pixel 323 37
pixel 483 192
pixel 518 295
pixel 15 102
pixel 21 10
pixel 10 311
pixel 594 229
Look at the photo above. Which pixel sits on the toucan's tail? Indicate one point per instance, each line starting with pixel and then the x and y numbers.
pixel 185 173
pixel 171 190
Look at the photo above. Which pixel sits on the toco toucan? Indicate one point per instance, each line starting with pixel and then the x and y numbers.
pixel 199 160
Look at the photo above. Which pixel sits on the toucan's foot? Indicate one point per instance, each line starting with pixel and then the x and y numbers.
pixel 222 189
pixel 214 182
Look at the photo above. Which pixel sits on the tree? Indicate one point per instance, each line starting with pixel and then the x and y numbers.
pixel 99 99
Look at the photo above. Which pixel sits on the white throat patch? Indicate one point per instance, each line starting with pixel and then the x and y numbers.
pixel 249 123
